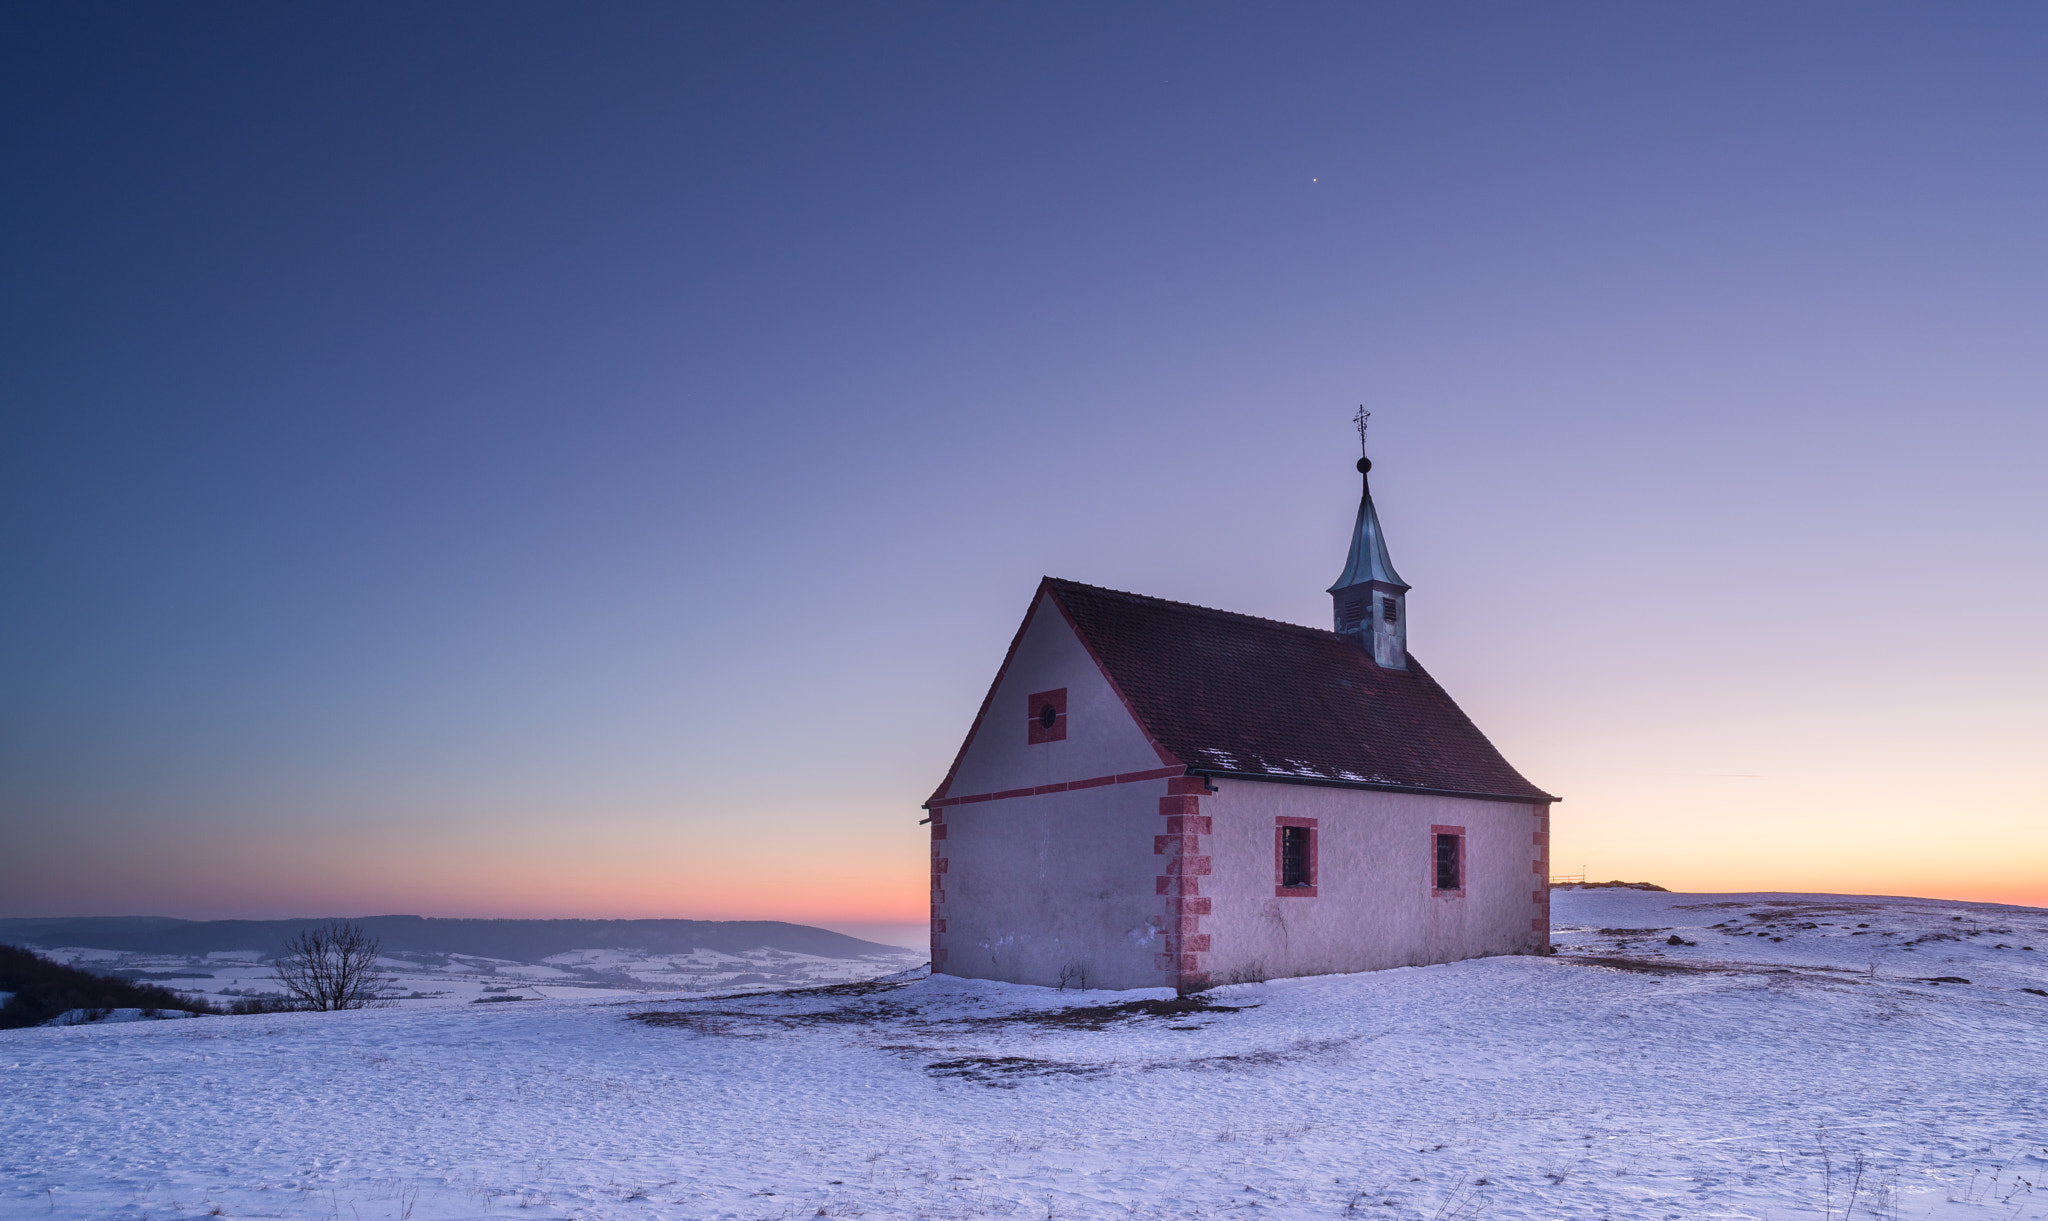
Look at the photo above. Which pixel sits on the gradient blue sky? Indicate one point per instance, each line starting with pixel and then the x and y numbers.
pixel 588 460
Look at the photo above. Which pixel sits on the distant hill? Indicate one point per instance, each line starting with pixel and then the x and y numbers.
pixel 516 940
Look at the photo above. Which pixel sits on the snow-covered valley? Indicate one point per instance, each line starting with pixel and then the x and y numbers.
pixel 444 962
pixel 1782 1060
pixel 442 979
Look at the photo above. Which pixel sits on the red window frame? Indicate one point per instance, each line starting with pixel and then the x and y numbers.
pixel 1034 711
pixel 1280 889
pixel 1459 893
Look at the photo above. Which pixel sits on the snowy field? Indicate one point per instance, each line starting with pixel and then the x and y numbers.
pixel 444 979
pixel 1792 1063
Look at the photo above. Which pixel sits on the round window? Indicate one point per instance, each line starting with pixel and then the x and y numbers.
pixel 1047 715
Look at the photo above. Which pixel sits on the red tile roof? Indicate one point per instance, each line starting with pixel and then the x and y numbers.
pixel 1237 695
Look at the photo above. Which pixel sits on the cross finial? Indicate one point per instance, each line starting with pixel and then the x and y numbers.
pixel 1360 419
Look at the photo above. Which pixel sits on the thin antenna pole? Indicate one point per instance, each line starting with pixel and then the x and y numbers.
pixel 1361 419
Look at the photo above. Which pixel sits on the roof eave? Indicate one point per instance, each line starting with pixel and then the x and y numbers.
pixel 1372 786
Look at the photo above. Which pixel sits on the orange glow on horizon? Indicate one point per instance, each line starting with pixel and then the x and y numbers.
pixel 872 870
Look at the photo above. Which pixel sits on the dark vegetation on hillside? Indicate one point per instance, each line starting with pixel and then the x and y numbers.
pixel 44 989
pixel 1609 886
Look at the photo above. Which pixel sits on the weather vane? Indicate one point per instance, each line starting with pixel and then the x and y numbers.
pixel 1360 420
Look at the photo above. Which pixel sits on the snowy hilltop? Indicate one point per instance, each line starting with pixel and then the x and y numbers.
pixel 1780 1056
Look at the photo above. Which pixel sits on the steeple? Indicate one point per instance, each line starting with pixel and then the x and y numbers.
pixel 1369 600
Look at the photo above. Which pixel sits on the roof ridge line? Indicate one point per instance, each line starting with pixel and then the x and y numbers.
pixel 1207 610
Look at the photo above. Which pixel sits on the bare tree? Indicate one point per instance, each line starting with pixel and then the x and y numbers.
pixel 331 966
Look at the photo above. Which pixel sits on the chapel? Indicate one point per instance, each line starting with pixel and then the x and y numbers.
pixel 1156 794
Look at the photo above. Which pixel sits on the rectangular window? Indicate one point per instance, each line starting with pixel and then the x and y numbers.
pixel 1388 610
pixel 1294 858
pixel 1447 860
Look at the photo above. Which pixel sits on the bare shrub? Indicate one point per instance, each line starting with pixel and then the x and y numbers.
pixel 269 1002
pixel 1253 972
pixel 331 966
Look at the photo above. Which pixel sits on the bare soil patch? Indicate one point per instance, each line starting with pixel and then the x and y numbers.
pixel 762 1013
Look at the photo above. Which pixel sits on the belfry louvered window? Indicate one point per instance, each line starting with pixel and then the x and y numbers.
pixel 1354 610
pixel 1390 610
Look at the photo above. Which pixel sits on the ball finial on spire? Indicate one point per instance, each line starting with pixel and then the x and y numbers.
pixel 1361 419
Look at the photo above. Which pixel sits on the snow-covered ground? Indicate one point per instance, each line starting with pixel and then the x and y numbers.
pixel 1742 1076
pixel 443 979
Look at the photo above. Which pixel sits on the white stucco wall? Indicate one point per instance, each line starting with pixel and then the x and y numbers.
pixel 1102 739
pixel 1028 888
pixel 1373 906
pixel 1060 884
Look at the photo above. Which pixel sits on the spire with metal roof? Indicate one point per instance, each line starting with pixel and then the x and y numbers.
pixel 1369 599
pixel 1369 560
